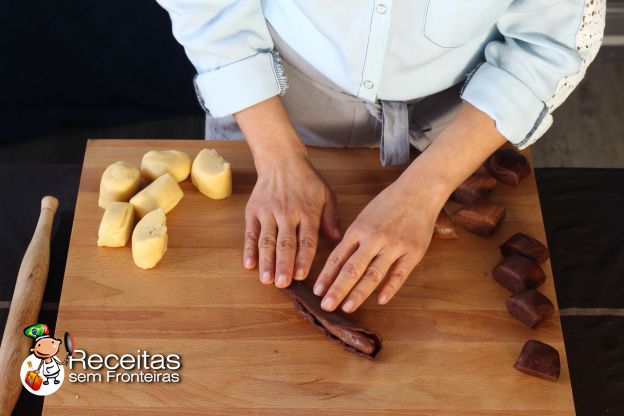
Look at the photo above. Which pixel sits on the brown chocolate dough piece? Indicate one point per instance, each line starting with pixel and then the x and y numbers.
pixel 508 166
pixel 539 360
pixel 478 186
pixel 518 273
pixel 444 228
pixel 482 217
pixel 334 325
pixel 529 307
pixel 526 246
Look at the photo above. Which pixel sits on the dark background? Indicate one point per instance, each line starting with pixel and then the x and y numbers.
pixel 76 65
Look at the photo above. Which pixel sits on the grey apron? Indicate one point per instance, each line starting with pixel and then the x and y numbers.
pixel 326 116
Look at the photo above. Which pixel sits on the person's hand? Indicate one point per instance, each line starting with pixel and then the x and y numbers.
pixel 390 236
pixel 384 244
pixel 288 203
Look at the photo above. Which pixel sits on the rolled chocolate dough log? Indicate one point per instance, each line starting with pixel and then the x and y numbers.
pixel 539 360
pixel 444 228
pixel 483 217
pixel 478 186
pixel 334 325
pixel 529 307
pixel 526 246
pixel 518 273
pixel 508 166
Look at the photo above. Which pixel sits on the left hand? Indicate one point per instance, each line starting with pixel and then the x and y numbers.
pixel 387 240
pixel 390 236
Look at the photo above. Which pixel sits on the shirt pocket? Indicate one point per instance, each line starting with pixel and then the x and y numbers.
pixel 452 23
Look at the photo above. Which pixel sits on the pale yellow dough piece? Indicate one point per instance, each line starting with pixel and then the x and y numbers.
pixel 119 182
pixel 163 193
pixel 149 239
pixel 211 174
pixel 156 163
pixel 116 225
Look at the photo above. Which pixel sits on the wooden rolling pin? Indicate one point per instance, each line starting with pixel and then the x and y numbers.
pixel 25 306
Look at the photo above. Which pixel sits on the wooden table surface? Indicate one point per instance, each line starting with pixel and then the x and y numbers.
pixel 449 342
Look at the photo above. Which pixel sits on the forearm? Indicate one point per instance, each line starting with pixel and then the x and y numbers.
pixel 461 148
pixel 270 133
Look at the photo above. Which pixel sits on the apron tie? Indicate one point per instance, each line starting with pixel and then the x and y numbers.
pixel 394 144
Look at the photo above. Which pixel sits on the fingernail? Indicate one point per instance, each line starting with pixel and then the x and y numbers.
pixel 248 263
pixel 383 299
pixel 318 289
pixel 327 303
pixel 348 306
pixel 266 277
pixel 281 280
pixel 300 274
pixel 337 232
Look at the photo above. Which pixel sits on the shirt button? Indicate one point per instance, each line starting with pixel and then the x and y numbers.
pixel 381 8
pixel 368 84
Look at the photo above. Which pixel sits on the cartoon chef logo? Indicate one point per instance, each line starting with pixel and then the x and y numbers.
pixel 42 373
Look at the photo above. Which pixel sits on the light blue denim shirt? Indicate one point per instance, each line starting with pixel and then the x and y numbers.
pixel 520 59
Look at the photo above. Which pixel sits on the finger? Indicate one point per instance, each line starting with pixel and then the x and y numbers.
pixel 306 247
pixel 397 275
pixel 372 277
pixel 330 220
pixel 266 249
pixel 349 275
pixel 285 253
pixel 250 250
pixel 334 263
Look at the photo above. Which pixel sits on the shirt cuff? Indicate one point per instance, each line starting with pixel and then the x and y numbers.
pixel 518 113
pixel 234 87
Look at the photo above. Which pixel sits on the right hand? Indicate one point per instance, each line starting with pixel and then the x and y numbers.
pixel 289 203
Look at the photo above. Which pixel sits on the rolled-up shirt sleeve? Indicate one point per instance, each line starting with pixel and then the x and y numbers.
pixel 231 48
pixel 546 48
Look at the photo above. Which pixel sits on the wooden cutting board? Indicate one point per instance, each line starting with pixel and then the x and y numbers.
pixel 449 342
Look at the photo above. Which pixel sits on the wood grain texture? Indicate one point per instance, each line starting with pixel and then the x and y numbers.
pixel 449 345
pixel 25 305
